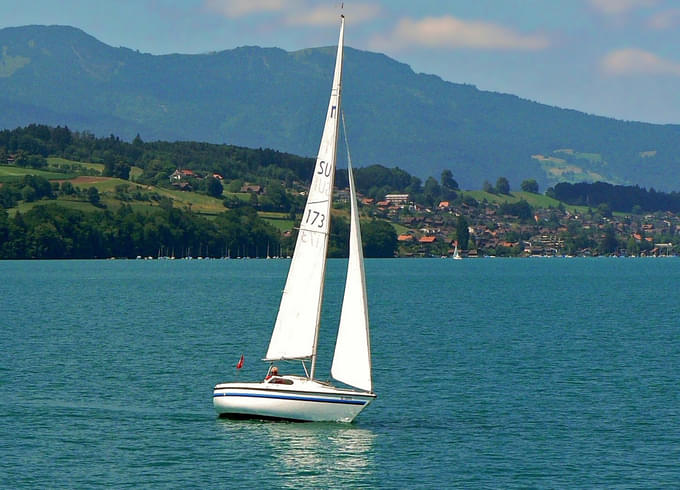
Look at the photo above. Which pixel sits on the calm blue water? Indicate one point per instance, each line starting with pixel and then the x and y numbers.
pixel 491 373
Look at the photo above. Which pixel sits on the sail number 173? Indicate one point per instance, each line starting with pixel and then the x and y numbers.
pixel 315 218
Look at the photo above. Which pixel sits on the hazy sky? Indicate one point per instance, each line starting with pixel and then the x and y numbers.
pixel 616 58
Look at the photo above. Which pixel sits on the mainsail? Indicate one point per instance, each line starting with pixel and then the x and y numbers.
pixel 297 324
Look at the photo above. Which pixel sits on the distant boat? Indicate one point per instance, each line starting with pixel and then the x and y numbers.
pixel 456 253
pixel 295 335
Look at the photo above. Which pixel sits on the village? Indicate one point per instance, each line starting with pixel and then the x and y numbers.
pixel 525 231
pixel 486 224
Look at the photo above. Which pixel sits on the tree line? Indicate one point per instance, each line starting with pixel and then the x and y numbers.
pixel 622 198
pixel 31 145
pixel 52 231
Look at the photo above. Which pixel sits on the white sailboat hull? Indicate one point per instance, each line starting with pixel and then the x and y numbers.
pixel 301 400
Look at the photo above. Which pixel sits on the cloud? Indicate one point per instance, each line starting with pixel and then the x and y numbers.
pixel 665 20
pixel 240 8
pixel 615 7
pixel 638 62
pixel 450 33
pixel 325 15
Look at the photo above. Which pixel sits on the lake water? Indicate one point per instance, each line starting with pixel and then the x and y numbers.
pixel 490 373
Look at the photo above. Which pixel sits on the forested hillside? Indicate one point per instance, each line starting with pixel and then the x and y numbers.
pixel 270 98
pixel 67 194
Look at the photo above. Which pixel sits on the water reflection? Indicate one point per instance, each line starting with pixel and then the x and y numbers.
pixel 310 454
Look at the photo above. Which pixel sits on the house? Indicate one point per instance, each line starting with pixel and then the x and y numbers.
pixel 341 196
pixel 178 175
pixel 255 189
pixel 396 198
pixel 405 238
pixel 427 239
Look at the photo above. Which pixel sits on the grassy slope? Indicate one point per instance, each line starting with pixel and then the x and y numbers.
pixel 202 203
pixel 54 161
pixel 10 173
pixel 107 188
pixel 535 200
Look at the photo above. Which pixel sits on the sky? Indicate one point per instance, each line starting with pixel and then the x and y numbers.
pixel 613 58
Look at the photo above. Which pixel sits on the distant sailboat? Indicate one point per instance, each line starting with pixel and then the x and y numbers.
pixel 295 335
pixel 456 253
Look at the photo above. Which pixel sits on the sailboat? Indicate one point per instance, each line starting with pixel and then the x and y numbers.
pixel 296 330
pixel 456 253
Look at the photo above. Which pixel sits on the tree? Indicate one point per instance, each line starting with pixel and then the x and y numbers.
pixel 4 228
pixel 487 187
pixel 338 245
pixel 36 161
pixel 522 209
pixel 530 185
pixel 235 185
pixel 114 166
pixel 502 186
pixel 214 187
pixel 604 209
pixel 93 196
pixel 449 186
pixel 379 239
pixel 9 196
pixel 231 201
pixel 609 243
pixel 448 180
pixel 276 198
pixel 432 191
pixel 462 233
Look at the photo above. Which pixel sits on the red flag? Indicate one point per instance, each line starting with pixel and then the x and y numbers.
pixel 239 365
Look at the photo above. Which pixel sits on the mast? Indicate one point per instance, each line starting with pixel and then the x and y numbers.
pixel 335 93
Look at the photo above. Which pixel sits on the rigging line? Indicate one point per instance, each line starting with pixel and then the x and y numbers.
pixel 310 230
pixel 344 133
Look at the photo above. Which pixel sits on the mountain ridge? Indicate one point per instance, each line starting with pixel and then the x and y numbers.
pixel 268 97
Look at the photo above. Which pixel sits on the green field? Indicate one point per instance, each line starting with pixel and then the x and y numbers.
pixel 24 207
pixel 9 173
pixel 55 161
pixel 280 221
pixel 199 203
pixel 535 200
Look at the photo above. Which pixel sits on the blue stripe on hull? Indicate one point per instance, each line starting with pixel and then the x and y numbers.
pixel 297 398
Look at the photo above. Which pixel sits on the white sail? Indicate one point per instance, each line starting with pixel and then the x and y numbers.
pixel 352 358
pixel 296 328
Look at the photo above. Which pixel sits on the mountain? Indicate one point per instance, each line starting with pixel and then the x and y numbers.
pixel 268 97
